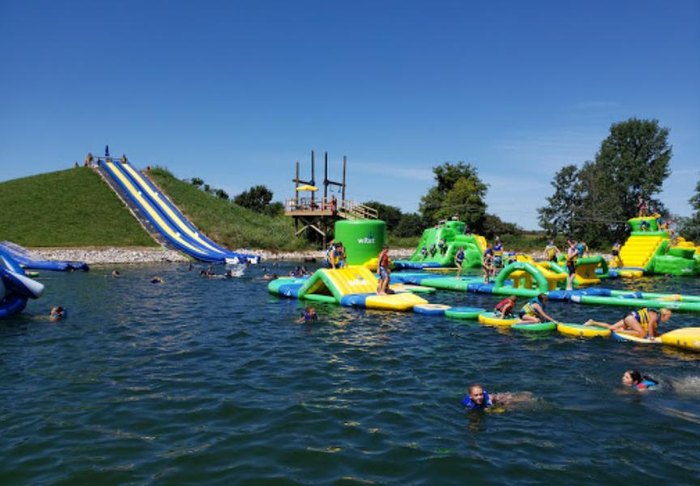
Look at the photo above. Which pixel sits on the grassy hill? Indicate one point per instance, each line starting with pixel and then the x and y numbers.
pixel 226 223
pixel 76 208
pixel 72 207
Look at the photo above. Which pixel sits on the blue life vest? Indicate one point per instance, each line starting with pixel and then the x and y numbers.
pixel 469 404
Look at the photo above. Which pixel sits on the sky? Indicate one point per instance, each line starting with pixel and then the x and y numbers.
pixel 235 92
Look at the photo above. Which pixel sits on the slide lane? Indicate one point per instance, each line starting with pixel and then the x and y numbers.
pixel 158 220
pixel 177 219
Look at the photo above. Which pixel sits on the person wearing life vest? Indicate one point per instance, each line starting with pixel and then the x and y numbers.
pixel 551 251
pixel 642 323
pixel 498 253
pixel 533 311
pixel 487 263
pixel 636 380
pixel 616 254
pixel 459 259
pixel 383 270
pixel 504 308
pixel 477 398
pixel 309 314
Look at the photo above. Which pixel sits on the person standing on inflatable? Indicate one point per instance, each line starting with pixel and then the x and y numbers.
pixel 551 251
pixel 459 259
pixel 571 254
pixel 383 270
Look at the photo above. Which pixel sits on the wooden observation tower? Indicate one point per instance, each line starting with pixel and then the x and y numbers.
pixel 319 212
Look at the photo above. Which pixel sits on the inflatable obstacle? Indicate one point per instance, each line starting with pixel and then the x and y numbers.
pixel 29 260
pixel 350 287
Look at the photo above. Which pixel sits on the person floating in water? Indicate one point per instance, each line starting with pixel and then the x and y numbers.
pixel 642 323
pixel 504 308
pixel 636 380
pixel 157 280
pixel 533 311
pixel 116 274
pixel 57 313
pixel 308 315
pixel 478 399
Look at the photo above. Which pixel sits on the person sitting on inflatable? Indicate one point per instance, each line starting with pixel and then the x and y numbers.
pixel 641 323
pixel 533 311
pixel 504 308
pixel 636 380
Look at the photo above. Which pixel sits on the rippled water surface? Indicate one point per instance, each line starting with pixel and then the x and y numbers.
pixel 212 381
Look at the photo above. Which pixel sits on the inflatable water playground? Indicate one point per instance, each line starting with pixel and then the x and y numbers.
pixel 16 288
pixel 438 247
pixel 164 216
pixel 651 250
pixel 30 261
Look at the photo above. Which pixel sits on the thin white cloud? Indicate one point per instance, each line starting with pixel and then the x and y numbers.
pixel 393 170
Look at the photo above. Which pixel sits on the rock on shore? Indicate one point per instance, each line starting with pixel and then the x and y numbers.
pixel 127 255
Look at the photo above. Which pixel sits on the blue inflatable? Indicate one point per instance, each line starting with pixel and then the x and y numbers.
pixel 15 287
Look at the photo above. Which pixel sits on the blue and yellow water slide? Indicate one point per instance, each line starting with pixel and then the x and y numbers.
pixel 167 219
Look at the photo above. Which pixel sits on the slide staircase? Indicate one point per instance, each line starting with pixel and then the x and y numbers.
pixel 638 250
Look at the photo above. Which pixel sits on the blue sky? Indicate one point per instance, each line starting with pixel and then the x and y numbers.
pixel 235 92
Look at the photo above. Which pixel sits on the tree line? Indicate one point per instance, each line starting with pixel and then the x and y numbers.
pixel 591 203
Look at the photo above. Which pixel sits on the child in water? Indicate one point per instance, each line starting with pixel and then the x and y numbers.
pixel 636 380
pixel 309 314
pixel 57 313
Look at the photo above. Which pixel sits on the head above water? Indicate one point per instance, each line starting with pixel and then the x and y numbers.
pixel 631 377
pixel 476 393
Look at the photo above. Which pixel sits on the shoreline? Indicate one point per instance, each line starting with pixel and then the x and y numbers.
pixel 135 255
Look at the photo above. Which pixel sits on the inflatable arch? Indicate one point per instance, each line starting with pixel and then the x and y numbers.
pixel 523 275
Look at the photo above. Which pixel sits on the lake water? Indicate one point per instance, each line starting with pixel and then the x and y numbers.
pixel 211 381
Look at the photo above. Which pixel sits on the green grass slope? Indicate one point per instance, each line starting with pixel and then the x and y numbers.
pixel 72 207
pixel 226 223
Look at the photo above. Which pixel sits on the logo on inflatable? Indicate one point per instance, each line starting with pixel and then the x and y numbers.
pixel 367 240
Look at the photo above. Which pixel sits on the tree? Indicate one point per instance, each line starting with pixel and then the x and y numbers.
pixel 633 162
pixel 562 207
pixel 391 215
pixel 411 224
pixel 459 192
pixel 221 194
pixel 690 227
pixel 595 202
pixel 257 198
pixel 495 226
pixel 197 182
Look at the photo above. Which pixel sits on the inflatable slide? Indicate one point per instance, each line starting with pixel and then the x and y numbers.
pixel 167 219
pixel 31 261
pixel 15 287
pixel 438 247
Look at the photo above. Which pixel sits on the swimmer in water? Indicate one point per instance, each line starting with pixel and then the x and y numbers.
pixel 636 380
pixel 157 280
pixel 308 315
pixel 57 313
pixel 478 399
